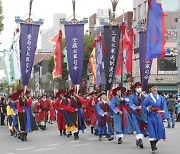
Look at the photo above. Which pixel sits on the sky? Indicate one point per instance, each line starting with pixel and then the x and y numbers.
pixel 44 9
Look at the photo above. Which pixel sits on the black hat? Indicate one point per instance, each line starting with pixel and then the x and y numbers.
pixel 102 93
pixel 151 85
pixel 44 95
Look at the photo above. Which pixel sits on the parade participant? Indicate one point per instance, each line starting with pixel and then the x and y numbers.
pixel 10 114
pixel 77 115
pixel 3 110
pixel 90 101
pixel 26 122
pixel 59 106
pixel 122 121
pixel 104 117
pixel 138 116
pixel 51 114
pixel 156 108
pixel 44 110
pixel 178 112
pixel 36 109
pixel 171 103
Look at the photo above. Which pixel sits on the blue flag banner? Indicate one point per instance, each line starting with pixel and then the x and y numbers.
pixel 28 40
pixel 145 65
pixel 99 62
pixel 111 41
pixel 155 31
pixel 75 51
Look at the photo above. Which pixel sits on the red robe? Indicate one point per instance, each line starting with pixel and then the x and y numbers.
pixel 44 108
pixel 59 106
pixel 52 112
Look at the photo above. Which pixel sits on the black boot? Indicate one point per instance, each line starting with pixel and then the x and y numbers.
pixel 156 144
pixel 153 145
pixel 100 137
pixel 60 132
pixel 75 136
pixel 22 136
pixel 120 140
pixel 64 132
pixel 110 138
pixel 78 134
pixel 12 133
pixel 92 129
pixel 96 132
pixel 140 143
pixel 25 136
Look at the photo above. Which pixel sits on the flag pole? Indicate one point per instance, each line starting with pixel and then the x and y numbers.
pixel 122 36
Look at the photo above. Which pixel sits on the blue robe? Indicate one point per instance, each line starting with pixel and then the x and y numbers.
pixel 104 121
pixel 138 119
pixel 155 119
pixel 118 120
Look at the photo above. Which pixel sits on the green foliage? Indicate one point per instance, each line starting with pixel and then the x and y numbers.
pixel 4 87
pixel 1 17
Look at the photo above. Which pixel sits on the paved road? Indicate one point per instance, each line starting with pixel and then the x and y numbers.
pixel 49 142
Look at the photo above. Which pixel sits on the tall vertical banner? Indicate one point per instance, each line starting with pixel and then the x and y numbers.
pixel 57 71
pixel 145 65
pixel 28 41
pixel 99 56
pixel 75 51
pixel 111 41
pixel 16 56
pixel 7 61
pixel 155 31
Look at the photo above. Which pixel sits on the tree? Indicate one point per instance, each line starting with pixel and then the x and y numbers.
pixel 1 18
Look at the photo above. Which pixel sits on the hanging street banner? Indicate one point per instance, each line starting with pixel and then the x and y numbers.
pixel 28 41
pixel 8 65
pixel 57 70
pixel 145 65
pixel 111 42
pixel 16 56
pixel 75 51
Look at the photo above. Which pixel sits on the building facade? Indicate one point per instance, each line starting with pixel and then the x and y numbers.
pixel 48 34
pixel 164 73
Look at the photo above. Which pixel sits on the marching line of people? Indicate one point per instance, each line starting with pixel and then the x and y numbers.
pixel 117 112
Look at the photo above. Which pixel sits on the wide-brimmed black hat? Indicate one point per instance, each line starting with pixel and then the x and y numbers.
pixel 102 93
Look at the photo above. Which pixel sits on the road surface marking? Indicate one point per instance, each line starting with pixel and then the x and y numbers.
pixel 74 141
pixel 26 148
pixel 51 145
pixel 94 138
pixel 77 145
pixel 171 132
pixel 44 149
pixel 106 141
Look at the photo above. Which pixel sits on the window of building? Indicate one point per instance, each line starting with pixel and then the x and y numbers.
pixel 134 14
pixel 139 11
pixel 166 64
